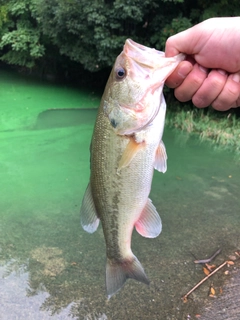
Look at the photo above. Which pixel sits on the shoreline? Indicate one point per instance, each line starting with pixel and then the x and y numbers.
pixel 221 130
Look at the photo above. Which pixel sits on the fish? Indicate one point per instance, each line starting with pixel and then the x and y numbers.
pixel 125 149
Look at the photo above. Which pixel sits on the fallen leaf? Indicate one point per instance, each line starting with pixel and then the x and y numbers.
pixel 185 299
pixel 232 257
pixel 206 271
pixel 212 290
pixel 210 267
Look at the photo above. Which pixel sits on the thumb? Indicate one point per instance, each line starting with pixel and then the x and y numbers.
pixel 179 43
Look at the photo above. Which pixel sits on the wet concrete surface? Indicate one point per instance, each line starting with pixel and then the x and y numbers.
pixel 51 269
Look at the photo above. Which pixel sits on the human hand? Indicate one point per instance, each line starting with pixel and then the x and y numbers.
pixel 211 74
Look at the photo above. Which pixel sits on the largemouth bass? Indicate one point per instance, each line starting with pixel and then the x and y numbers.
pixel 126 147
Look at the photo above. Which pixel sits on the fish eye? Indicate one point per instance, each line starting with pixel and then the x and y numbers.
pixel 120 73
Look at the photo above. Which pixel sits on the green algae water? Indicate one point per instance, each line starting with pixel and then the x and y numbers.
pixel 23 98
pixel 50 268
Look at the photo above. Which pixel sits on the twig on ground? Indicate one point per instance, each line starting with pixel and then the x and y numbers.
pixel 209 259
pixel 184 298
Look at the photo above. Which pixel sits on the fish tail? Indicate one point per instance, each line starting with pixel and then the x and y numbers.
pixel 117 272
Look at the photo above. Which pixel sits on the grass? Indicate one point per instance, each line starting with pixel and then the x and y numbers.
pixel 222 129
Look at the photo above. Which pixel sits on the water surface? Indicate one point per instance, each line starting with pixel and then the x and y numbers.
pixel 51 269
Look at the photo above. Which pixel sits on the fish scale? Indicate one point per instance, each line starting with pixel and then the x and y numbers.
pixel 126 147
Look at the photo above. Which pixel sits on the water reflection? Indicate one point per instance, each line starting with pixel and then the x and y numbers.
pixel 16 302
pixel 27 293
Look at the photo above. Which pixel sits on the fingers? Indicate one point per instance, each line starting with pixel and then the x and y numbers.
pixel 184 41
pixel 210 89
pixel 191 83
pixel 204 88
pixel 171 47
pixel 229 97
pixel 179 74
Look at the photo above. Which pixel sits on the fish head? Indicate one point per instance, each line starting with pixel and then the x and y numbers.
pixel 133 95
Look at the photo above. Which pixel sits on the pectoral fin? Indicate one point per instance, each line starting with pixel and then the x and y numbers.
pixel 149 225
pixel 129 153
pixel 88 213
pixel 160 163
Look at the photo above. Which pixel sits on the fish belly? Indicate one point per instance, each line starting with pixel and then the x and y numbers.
pixel 120 197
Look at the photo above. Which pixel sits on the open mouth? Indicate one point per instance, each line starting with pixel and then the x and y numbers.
pixel 144 56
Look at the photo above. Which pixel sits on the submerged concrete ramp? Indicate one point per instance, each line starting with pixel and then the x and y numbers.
pixel 226 306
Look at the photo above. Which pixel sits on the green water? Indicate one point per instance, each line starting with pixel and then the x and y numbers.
pixel 50 268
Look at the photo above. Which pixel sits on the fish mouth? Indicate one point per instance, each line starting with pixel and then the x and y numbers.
pixel 145 64
pixel 149 62
pixel 145 56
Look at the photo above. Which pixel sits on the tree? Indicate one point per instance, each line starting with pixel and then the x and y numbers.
pixel 21 39
pixel 34 32
pixel 93 34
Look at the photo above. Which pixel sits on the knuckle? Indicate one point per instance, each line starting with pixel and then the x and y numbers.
pixel 196 82
pixel 228 97
pixel 238 102
pixel 200 101
pixel 219 105
pixel 217 82
pixel 232 91
pixel 182 95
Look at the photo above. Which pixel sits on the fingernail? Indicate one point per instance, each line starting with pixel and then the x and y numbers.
pixel 203 69
pixel 184 71
pixel 221 71
pixel 236 77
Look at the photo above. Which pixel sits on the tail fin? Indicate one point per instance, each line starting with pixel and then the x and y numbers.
pixel 117 272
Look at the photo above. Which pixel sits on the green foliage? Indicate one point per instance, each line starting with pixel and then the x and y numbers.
pixel 3 19
pixel 92 33
pixel 20 43
pixel 3 16
pixel 24 43
pixel 176 25
pixel 224 8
